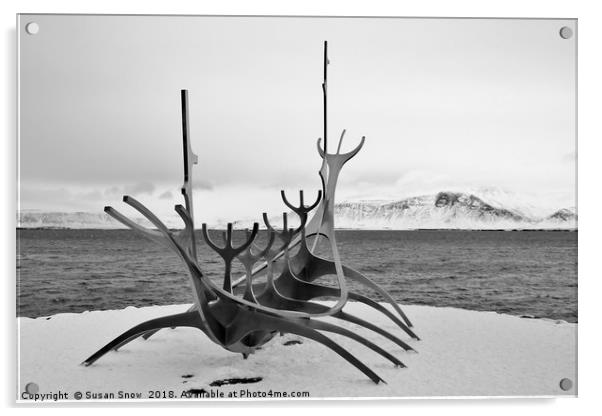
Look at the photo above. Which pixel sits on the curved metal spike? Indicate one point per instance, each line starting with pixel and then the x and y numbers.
pixel 150 234
pixel 302 208
pixel 248 260
pixel 286 201
pixel 249 241
pixel 340 142
pixel 320 150
pixel 353 152
pixel 286 234
pixel 228 252
pixel 295 326
pixel 345 156
pixel 149 334
pixel 325 326
pixel 273 298
pixel 266 250
pixel 190 319
pixel 292 285
pixel 222 294
pixel 365 281
pixel 185 215
pixel 266 221
pixel 377 306
pixel 282 294
pixel 208 240
pixel 315 204
pixel 321 267
pixel 368 325
pixel 138 206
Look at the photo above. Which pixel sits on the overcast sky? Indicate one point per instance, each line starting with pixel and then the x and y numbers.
pixel 445 104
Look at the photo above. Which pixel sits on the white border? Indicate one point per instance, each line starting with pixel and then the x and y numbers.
pixel 590 200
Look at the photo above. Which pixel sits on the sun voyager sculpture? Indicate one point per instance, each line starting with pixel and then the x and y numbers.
pixel 244 314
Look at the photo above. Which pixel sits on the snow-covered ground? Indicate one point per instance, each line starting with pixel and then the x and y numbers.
pixel 461 353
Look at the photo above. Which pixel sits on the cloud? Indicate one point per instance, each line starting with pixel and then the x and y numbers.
pixel 41 193
pixel 166 195
pixel 411 183
pixel 113 190
pixel 39 196
pixel 202 185
pixel 90 196
pixel 140 188
pixel 422 179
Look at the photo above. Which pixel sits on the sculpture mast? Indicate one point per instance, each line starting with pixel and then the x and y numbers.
pixel 189 159
pixel 324 93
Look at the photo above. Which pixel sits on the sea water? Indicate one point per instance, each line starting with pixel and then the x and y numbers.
pixel 524 273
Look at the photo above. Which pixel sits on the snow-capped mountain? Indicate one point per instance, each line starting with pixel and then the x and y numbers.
pixel 36 219
pixel 446 210
pixel 443 210
pixel 564 214
pixel 78 220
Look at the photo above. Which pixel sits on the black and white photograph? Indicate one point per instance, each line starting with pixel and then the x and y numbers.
pixel 295 208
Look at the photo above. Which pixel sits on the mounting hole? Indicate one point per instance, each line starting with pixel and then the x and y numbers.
pixel 566 32
pixel 32 28
pixel 32 388
pixel 566 384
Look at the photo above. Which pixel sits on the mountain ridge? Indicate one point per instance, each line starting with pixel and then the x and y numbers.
pixel 446 210
pixel 443 210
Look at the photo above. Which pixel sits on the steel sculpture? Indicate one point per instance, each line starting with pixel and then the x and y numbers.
pixel 244 314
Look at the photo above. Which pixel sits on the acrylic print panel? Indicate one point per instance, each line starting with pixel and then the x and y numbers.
pixel 444 264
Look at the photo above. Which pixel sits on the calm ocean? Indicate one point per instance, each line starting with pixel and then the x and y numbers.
pixel 515 272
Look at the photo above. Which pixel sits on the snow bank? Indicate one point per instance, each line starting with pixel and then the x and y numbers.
pixel 462 353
